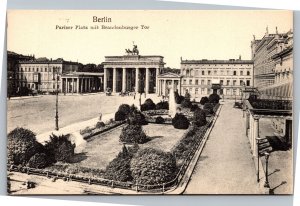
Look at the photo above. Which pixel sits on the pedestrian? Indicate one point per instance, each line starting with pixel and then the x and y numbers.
pixel 100 117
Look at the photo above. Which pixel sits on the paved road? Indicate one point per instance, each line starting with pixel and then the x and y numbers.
pixel 37 114
pixel 225 165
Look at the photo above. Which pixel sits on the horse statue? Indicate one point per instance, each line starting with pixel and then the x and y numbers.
pixel 134 51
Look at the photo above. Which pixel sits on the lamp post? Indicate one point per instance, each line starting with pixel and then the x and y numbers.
pixel 267 155
pixel 56 102
pixel 257 144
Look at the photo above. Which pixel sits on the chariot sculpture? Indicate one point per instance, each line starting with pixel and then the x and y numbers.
pixel 134 51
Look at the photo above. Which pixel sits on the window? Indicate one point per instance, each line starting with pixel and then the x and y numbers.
pixel 208 82
pixel 234 82
pixel 202 91
pixel 184 81
pixel 29 69
pixel 187 73
pixel 41 69
pixel 241 73
pixel 196 73
pixel 234 91
pixel 215 72
pixel 190 81
pixel 196 81
pixel 241 82
pixel 234 73
pixel 227 91
pixel 202 82
pixel 45 69
pixel 228 73
pixel 208 90
pixel 196 91
pixel 248 73
pixel 248 82
pixel 203 73
pixel 228 82
pixel 208 73
pixel 221 82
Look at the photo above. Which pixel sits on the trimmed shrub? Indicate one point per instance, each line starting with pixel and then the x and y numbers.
pixel 204 100
pixel 178 98
pixel 21 146
pixel 133 109
pixel 214 98
pixel 180 122
pixel 119 168
pixel 133 134
pixel 151 166
pixel 100 125
pixel 125 108
pixel 186 103
pixel 59 148
pixel 137 118
pixel 162 105
pixel 120 116
pixel 199 118
pixel 194 107
pixel 39 161
pixel 209 107
pixel 159 120
pixel 148 105
pixel 86 130
pixel 187 95
pixel 133 149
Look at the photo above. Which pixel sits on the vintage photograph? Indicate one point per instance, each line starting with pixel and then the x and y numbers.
pixel 149 102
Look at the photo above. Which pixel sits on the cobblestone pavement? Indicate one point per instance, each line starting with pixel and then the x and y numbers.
pixel 225 165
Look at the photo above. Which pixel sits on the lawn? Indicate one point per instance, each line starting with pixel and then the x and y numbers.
pixel 103 148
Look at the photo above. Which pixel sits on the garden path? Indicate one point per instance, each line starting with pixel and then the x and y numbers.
pixel 225 165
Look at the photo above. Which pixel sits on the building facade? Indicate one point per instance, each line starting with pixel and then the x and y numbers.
pixel 82 82
pixel 43 74
pixel 233 75
pixel 168 80
pixel 263 52
pixel 12 70
pixel 132 72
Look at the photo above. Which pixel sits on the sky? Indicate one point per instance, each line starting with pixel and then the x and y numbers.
pixel 190 34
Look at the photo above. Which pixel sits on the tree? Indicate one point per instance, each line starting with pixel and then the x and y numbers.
pixel 39 161
pixel 133 134
pixel 125 108
pixel 214 98
pixel 120 116
pixel 148 105
pixel 162 105
pixel 199 117
pixel 204 100
pixel 59 148
pixel 180 121
pixel 119 168
pixel 137 117
pixel 152 166
pixel 22 145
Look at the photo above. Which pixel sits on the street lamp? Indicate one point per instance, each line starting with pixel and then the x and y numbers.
pixel 257 146
pixel 56 101
pixel 267 155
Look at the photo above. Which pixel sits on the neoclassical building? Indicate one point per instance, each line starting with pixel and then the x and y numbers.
pixel 233 75
pixel 264 55
pixel 132 72
pixel 47 75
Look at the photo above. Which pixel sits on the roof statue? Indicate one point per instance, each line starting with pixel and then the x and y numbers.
pixel 134 51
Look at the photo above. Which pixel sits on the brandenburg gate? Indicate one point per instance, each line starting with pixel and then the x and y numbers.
pixel 129 72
